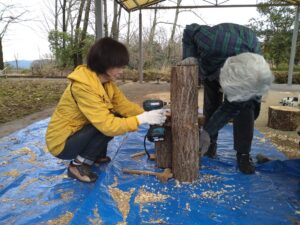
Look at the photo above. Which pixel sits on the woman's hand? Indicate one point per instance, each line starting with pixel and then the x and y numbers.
pixel 152 117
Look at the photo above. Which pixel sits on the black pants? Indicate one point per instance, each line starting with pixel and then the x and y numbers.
pixel 88 142
pixel 243 123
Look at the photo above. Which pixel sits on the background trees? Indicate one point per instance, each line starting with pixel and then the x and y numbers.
pixel 275 28
pixel 9 15
pixel 72 32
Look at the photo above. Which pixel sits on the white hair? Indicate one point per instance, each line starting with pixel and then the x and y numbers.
pixel 245 76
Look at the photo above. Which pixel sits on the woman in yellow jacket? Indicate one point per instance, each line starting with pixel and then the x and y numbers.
pixel 92 110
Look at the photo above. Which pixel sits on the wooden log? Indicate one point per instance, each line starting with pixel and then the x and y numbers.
pixel 163 149
pixel 185 131
pixel 283 118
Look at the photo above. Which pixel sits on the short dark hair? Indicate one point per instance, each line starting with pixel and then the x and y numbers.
pixel 107 53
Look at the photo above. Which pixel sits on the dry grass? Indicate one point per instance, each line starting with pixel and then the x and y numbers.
pixel 21 97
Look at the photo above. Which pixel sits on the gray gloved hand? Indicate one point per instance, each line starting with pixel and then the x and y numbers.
pixel 204 142
pixel 188 61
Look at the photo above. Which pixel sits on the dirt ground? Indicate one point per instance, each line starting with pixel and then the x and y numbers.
pixel 287 142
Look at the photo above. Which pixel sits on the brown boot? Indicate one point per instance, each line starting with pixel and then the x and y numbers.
pixel 82 173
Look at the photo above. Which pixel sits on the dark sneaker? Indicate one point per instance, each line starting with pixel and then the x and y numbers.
pixel 245 163
pixel 212 151
pixel 82 173
pixel 101 160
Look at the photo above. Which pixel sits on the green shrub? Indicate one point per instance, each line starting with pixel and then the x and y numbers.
pixel 148 75
pixel 281 77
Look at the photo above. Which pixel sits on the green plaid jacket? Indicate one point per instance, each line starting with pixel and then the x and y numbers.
pixel 213 45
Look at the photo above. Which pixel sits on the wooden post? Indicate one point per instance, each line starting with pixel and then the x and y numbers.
pixel 184 119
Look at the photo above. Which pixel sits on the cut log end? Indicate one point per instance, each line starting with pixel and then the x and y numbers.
pixel 283 118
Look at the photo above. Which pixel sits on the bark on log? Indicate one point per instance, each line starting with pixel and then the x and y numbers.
pixel 163 150
pixel 185 131
pixel 283 118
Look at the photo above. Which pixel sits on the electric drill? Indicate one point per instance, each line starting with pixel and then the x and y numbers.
pixel 155 132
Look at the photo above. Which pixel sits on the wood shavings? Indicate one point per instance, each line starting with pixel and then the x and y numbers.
pixel 4 200
pixel 27 183
pixel 187 207
pixel 122 199
pixel 158 221
pixel 26 151
pixel 54 178
pixel 67 195
pixel 115 183
pixel 207 178
pixel 62 220
pixel 27 201
pixel 12 173
pixel 45 148
pixel 97 219
pixel 212 194
pixel 146 197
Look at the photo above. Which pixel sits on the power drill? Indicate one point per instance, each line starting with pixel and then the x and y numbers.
pixel 155 132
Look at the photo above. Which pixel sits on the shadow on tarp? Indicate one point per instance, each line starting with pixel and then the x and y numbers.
pixel 34 188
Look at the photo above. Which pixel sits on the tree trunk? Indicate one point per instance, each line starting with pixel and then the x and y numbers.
pixel 77 33
pixel 151 37
pixel 84 31
pixel 171 40
pixel 283 118
pixel 128 30
pixel 185 131
pixel 113 32
pixel 64 27
pixel 105 25
pixel 118 23
pixel 56 29
pixel 1 55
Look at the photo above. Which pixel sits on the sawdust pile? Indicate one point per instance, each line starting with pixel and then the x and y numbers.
pixel 62 220
pixel 12 173
pixel 27 151
pixel 122 199
pixel 147 197
pixel 27 183
pixel 66 196
pixel 97 219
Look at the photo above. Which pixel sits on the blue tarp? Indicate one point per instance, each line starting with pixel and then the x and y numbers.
pixel 34 188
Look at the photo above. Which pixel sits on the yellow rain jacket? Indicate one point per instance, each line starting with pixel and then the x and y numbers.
pixel 91 102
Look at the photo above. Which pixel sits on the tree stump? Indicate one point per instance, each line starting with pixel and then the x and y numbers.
pixel 283 118
pixel 184 119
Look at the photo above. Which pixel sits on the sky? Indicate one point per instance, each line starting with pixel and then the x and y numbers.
pixel 28 40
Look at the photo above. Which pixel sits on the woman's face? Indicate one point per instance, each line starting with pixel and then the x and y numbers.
pixel 114 73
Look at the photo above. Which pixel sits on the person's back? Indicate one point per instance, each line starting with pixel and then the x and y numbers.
pixel 215 44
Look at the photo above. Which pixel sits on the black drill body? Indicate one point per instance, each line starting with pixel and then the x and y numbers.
pixel 155 132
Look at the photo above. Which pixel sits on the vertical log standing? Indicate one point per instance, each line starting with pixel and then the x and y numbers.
pixel 184 119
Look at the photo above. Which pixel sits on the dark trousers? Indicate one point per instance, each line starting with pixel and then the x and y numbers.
pixel 88 142
pixel 243 123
